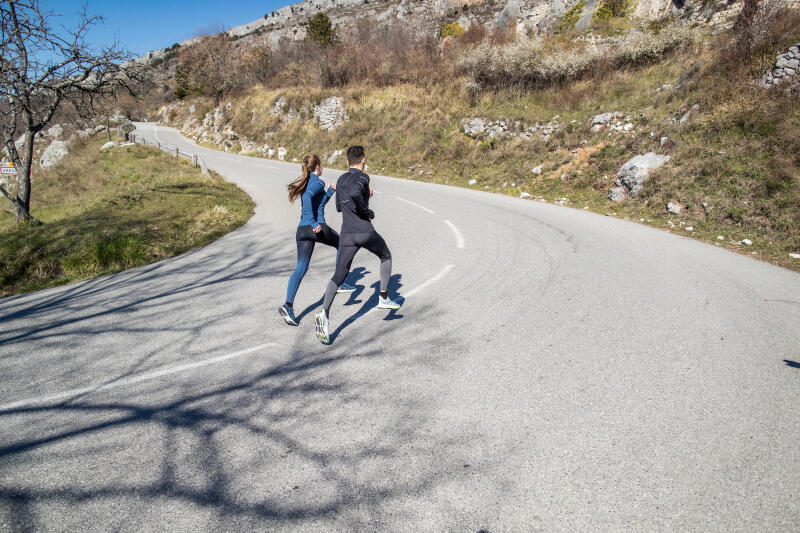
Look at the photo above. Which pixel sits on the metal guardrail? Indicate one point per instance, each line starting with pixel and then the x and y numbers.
pixel 171 150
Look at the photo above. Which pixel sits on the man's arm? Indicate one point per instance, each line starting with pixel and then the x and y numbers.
pixel 361 199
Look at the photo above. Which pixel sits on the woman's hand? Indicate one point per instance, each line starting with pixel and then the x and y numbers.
pixel 332 185
pixel 317 229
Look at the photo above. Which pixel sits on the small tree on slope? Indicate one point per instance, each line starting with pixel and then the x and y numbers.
pixel 41 70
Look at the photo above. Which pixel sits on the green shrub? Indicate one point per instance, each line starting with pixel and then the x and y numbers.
pixel 321 30
pixel 571 18
pixel 454 29
pixel 614 9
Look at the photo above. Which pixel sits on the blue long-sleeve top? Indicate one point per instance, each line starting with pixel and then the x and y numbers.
pixel 313 202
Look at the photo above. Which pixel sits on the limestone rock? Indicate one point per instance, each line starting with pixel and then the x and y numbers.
pixel 330 113
pixel 54 153
pixel 674 207
pixel 633 173
pixel 106 146
pixel 618 194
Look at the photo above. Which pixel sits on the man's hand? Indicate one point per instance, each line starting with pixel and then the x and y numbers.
pixel 317 229
pixel 371 192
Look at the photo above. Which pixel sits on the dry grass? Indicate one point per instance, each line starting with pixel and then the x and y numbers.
pixel 112 210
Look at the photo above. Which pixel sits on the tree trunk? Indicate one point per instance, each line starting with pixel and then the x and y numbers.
pixel 22 207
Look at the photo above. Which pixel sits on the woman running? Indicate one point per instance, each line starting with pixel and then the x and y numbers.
pixel 312 229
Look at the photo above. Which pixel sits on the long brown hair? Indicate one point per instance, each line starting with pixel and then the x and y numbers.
pixel 298 186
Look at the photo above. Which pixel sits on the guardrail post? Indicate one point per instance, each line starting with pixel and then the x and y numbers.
pixel 177 154
pixel 194 160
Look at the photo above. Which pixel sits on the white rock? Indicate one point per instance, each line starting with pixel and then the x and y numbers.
pixel 633 173
pixel 663 141
pixel 55 132
pixel 605 118
pixel 472 182
pixel 746 242
pixel 689 228
pixel 335 156
pixel 674 208
pixel 474 127
pixel 537 170
pixel 794 256
pixel 628 127
pixel 720 238
pixel 54 153
pixel 109 144
pixel 270 152
pixel 281 153
pixel 524 195
pixel 330 113
pixel 618 194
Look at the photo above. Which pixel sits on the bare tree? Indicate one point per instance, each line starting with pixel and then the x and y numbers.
pixel 210 66
pixel 42 69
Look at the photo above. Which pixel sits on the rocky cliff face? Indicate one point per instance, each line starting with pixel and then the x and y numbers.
pixel 531 17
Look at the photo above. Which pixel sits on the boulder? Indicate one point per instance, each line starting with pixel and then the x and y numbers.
pixel 106 146
pixel 474 127
pixel 472 182
pixel 633 173
pixel 618 194
pixel 605 118
pixel 281 153
pixel 674 207
pixel 54 153
pixel 330 113
pixel 335 156
pixel 537 170
pixel 55 132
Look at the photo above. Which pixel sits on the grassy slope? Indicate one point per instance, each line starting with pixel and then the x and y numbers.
pixel 738 153
pixel 108 211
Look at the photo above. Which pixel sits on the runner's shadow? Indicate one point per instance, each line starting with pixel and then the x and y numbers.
pixel 352 278
pixel 370 304
pixel 792 364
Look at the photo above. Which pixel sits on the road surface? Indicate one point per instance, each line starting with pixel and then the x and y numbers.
pixel 551 369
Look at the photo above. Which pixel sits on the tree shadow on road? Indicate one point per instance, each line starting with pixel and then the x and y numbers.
pixel 313 439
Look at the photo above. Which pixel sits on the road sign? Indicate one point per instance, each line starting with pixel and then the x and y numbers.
pixel 8 170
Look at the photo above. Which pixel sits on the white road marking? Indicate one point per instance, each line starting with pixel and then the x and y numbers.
pixel 155 132
pixel 459 237
pixel 133 379
pixel 430 281
pixel 415 205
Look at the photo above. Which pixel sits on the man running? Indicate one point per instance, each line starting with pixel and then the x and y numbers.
pixel 352 199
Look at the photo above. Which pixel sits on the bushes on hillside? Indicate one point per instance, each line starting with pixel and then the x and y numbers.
pixel 526 64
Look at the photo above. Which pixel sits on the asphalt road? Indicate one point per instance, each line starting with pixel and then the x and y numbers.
pixel 551 369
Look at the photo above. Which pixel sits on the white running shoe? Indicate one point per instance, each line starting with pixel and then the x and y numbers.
pixel 321 327
pixel 346 287
pixel 387 303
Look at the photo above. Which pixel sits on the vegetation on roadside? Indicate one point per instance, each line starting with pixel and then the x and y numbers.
pixel 734 147
pixel 108 211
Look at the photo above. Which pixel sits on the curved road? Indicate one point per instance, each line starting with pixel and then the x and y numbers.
pixel 551 369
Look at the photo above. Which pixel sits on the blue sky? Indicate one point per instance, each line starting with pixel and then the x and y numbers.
pixel 143 25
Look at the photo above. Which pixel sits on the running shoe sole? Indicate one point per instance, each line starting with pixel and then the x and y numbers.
pixel 346 289
pixel 319 330
pixel 286 317
pixel 390 305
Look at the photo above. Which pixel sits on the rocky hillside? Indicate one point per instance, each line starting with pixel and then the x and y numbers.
pixel 528 17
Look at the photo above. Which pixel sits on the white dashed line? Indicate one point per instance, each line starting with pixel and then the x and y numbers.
pixel 430 281
pixel 459 237
pixel 415 205
pixel 133 379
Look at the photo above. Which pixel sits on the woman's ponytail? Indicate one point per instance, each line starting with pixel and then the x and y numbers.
pixel 298 186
